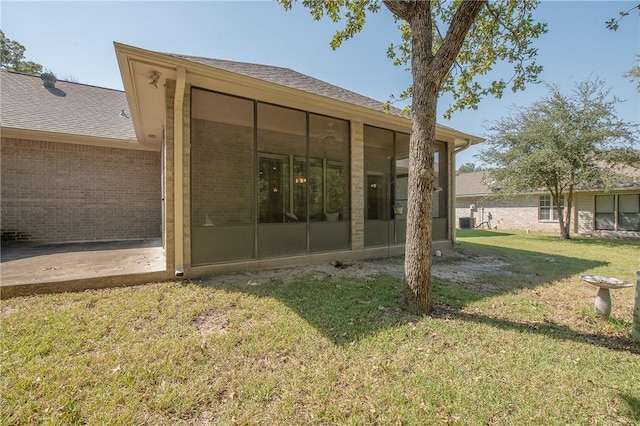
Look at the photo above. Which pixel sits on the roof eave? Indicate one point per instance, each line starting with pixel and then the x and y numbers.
pixel 251 86
pixel 39 135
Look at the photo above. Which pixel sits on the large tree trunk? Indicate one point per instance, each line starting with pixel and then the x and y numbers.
pixel 417 264
pixel 428 71
pixel 555 202
pixel 568 207
pixel 564 231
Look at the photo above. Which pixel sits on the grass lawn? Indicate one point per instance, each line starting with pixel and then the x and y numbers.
pixel 519 346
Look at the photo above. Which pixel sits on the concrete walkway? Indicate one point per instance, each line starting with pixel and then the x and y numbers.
pixel 77 266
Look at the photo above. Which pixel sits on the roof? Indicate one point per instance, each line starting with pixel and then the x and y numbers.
pixel 473 184
pixel 292 79
pixel 267 83
pixel 69 108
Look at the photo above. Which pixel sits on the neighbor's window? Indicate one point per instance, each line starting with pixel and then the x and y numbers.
pixel 547 209
pixel 629 212
pixel 605 213
pixel 624 207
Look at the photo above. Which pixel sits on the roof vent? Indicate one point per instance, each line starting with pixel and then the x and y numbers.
pixel 48 80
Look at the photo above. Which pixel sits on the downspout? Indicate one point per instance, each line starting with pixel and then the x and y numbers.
pixel 462 148
pixel 452 211
pixel 178 167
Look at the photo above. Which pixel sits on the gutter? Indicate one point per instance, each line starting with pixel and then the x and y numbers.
pixel 178 178
pixel 462 148
pixel 67 138
pixel 452 179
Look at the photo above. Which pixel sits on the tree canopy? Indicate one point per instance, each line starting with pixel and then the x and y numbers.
pixel 562 142
pixel 634 74
pixel 448 46
pixel 469 168
pixel 613 24
pixel 502 31
pixel 12 57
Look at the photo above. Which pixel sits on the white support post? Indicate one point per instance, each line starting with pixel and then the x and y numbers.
pixel 178 178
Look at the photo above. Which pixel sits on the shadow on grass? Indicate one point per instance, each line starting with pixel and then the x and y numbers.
pixel 549 329
pixel 343 310
pixel 350 309
pixel 607 242
pixel 470 233
pixel 347 311
pixel 525 268
pixel 634 405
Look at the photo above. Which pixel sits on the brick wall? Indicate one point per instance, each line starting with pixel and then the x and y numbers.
pixel 59 192
pixel 357 186
pixel 518 214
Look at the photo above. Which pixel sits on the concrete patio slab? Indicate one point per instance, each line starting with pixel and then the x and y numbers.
pixel 78 266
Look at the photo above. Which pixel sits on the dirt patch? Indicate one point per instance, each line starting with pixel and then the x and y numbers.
pixel 6 311
pixel 451 266
pixel 211 322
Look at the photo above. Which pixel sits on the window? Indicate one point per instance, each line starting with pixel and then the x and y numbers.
pixel 629 212
pixel 266 180
pixel 605 213
pixel 624 207
pixel 441 168
pixel 547 209
pixel 385 183
pixel 273 189
pixel 378 183
pixel 222 186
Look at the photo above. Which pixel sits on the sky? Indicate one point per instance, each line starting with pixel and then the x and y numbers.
pixel 75 40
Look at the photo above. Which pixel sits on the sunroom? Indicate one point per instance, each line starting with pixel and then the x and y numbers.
pixel 264 166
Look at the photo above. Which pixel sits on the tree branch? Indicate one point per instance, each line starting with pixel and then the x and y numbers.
pixel 456 34
pixel 613 23
pixel 498 19
pixel 402 9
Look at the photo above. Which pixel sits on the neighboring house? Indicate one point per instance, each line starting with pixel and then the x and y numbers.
pixel 72 167
pixel 252 165
pixel 614 213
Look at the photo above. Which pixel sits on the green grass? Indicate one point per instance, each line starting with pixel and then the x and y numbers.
pixel 519 346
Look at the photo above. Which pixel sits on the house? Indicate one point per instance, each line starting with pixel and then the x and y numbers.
pixel 72 167
pixel 613 213
pixel 249 165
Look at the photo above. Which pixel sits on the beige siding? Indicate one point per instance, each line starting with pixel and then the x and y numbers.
pixel 586 215
pixel 584 211
pixel 60 192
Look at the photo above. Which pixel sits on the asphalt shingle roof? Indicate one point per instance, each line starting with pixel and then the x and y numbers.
pixel 293 79
pixel 469 184
pixel 71 108
pixel 474 183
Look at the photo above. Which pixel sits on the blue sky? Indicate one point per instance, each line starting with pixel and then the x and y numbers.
pixel 76 39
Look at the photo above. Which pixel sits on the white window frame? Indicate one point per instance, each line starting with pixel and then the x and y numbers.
pixel 549 208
